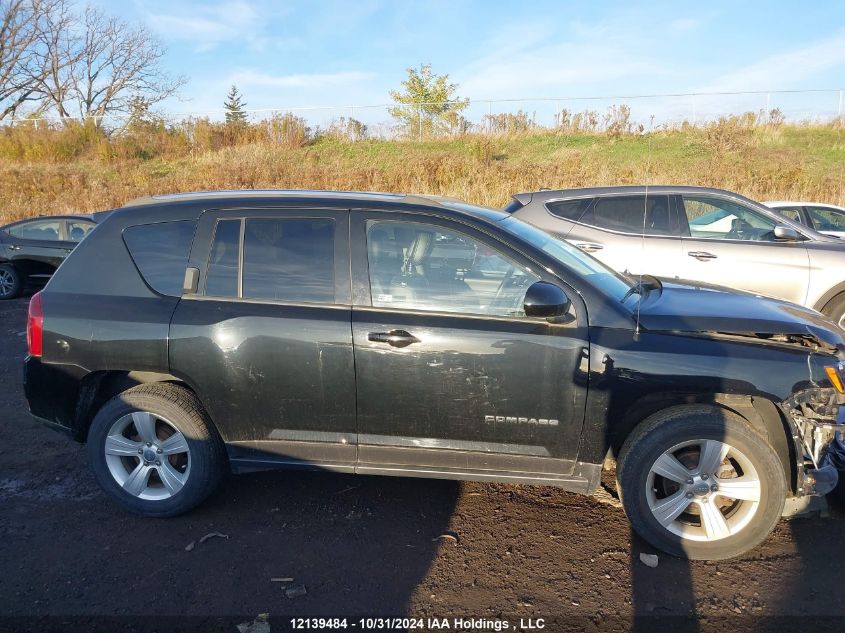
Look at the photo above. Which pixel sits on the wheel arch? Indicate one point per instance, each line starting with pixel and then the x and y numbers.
pixel 829 296
pixel 762 415
pixel 99 387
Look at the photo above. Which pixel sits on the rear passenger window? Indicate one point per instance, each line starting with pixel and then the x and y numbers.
pixel 289 259
pixel 222 277
pixel 568 209
pixel 41 230
pixel 160 251
pixel 634 214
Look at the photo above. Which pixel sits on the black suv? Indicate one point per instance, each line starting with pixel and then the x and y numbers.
pixel 419 336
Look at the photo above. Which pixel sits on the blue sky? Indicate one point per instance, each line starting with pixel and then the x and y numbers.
pixel 300 53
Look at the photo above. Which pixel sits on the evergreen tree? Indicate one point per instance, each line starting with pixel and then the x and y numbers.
pixel 234 105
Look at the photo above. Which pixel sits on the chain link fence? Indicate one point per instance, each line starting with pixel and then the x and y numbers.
pixel 625 113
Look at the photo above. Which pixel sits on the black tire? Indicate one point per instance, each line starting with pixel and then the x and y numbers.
pixel 835 308
pixel 10 275
pixel 676 425
pixel 183 411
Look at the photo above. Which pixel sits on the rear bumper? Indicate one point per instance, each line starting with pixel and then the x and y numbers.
pixel 51 392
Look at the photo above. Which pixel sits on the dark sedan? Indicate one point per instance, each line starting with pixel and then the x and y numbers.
pixel 31 250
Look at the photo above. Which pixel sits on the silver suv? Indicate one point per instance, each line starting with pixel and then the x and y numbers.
pixel 696 233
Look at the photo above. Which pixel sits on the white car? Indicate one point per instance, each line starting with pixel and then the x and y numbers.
pixel 824 218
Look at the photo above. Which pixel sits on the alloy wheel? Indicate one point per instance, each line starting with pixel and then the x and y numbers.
pixel 147 456
pixel 7 283
pixel 703 490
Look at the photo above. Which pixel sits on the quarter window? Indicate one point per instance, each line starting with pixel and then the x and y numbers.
pixel 160 251
pixel 825 219
pixel 568 209
pixel 426 267
pixel 289 259
pixel 47 230
pixel 719 219
pixel 76 231
pixel 649 215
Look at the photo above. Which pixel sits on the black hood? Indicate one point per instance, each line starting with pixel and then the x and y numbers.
pixel 687 306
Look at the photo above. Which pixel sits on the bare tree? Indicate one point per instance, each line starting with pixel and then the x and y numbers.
pixel 102 65
pixel 23 65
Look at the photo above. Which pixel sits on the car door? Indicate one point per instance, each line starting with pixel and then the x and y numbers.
pixel 730 244
pixel 265 338
pixel 452 378
pixel 37 247
pixel 630 233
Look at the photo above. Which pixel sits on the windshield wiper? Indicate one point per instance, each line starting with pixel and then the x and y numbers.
pixel 644 284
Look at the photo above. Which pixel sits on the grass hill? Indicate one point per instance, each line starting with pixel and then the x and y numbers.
pixel 82 169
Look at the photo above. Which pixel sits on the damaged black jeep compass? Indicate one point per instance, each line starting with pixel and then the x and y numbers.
pixel 417 336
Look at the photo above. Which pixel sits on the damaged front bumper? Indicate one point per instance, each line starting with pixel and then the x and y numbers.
pixel 818 421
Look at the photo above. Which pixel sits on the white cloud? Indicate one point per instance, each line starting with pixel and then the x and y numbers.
pixel 547 66
pixel 253 78
pixel 683 25
pixel 784 69
pixel 207 25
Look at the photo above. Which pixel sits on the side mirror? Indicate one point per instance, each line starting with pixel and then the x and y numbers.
pixel 786 233
pixel 546 301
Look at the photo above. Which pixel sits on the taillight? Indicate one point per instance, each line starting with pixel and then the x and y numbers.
pixel 35 325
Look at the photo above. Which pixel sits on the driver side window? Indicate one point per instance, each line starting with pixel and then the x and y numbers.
pixel 712 218
pixel 427 267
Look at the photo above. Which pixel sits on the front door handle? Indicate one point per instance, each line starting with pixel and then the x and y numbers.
pixel 396 338
pixel 702 256
pixel 589 247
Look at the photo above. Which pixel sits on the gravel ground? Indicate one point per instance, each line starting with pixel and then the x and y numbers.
pixel 365 546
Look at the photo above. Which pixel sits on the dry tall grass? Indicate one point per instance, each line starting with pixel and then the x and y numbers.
pixel 80 169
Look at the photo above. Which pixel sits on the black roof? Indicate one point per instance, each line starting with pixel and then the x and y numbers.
pixel 336 198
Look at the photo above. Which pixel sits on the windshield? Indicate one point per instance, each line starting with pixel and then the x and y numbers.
pixel 605 279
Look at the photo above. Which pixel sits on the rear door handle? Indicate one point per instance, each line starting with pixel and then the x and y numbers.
pixel 396 338
pixel 702 256
pixel 589 247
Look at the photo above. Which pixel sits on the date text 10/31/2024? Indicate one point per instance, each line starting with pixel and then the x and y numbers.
pixel 424 624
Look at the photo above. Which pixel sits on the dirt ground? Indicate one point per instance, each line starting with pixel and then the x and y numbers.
pixel 366 546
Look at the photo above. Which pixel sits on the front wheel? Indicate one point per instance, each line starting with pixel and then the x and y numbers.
pixel 698 482
pixel 154 451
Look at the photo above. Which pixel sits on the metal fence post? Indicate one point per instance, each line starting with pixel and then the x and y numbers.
pixel 490 116
pixel 419 118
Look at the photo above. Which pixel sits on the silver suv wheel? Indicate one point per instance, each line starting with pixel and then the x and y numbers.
pixel 703 490
pixel 147 456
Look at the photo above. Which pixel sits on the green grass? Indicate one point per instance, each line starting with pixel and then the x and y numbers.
pixel 761 162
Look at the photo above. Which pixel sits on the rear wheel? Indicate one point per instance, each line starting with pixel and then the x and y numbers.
pixel 835 310
pixel 11 283
pixel 698 482
pixel 154 451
